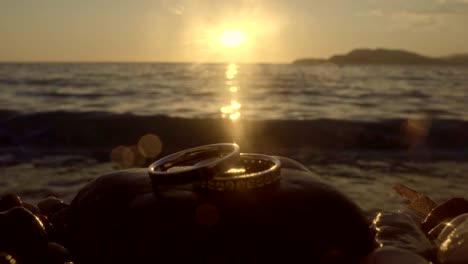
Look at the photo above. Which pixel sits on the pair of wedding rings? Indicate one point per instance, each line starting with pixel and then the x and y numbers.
pixel 218 167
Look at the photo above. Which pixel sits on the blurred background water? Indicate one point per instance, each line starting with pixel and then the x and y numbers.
pixel 264 91
pixel 337 120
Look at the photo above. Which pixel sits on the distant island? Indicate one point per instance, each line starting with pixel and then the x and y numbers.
pixel 386 56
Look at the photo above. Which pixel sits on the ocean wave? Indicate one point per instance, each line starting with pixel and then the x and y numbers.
pixel 59 94
pixel 51 82
pixel 94 132
pixel 68 93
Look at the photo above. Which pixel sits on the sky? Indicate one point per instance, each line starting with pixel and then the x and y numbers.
pixel 220 31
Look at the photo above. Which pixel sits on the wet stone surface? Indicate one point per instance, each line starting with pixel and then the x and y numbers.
pixel 26 234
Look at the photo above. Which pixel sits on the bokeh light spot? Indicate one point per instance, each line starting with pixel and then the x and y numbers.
pixel 138 159
pixel 150 146
pixel 123 156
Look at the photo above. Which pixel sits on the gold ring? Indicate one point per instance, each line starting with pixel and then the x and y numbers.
pixel 252 171
pixel 205 162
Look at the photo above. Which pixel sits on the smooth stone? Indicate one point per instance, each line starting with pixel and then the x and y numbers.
pixel 118 219
pixel 32 208
pixel 22 234
pixel 51 205
pixel 453 250
pixel 451 225
pixel 59 230
pixel 398 230
pixel 45 222
pixel 435 232
pixel 415 215
pixel 449 209
pixel 57 254
pixel 392 255
pixel 9 201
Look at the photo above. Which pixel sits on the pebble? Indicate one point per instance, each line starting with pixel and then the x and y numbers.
pixel 447 210
pixel 51 205
pixel 453 250
pixel 57 254
pixel 435 232
pixel 9 201
pixel 59 231
pixel 22 234
pixel 392 255
pixel 400 231
pixel 32 208
pixel 451 225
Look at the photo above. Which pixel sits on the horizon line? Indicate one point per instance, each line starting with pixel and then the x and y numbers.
pixel 132 62
pixel 221 62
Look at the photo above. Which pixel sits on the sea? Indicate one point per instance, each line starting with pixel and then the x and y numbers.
pixel 360 128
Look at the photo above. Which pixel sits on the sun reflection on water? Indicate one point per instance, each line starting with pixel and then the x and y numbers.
pixel 231 71
pixel 232 110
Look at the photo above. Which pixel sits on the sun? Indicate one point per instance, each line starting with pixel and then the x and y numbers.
pixel 232 38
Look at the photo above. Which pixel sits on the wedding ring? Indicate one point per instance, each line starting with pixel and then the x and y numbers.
pixel 252 171
pixel 195 164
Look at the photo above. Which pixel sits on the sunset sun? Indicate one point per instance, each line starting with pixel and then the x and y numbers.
pixel 232 38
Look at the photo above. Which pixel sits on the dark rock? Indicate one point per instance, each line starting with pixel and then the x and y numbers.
pixel 45 222
pixel 400 231
pixel 59 231
pixel 448 226
pixel 117 218
pixel 447 210
pixel 435 232
pixel 57 254
pixel 22 235
pixel 392 255
pixel 453 249
pixel 9 201
pixel 32 208
pixel 51 205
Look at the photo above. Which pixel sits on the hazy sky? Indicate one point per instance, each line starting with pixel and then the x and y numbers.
pixel 189 30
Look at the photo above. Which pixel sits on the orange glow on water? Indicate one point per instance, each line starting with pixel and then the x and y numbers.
pixel 232 110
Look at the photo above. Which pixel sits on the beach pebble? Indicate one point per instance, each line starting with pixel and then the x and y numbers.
pixel 400 231
pixel 447 210
pixel 51 205
pixel 45 222
pixel 435 232
pixel 32 208
pixel 392 255
pixel 22 234
pixel 415 215
pixel 59 231
pixel 57 254
pixel 449 226
pixel 9 201
pixel 453 250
